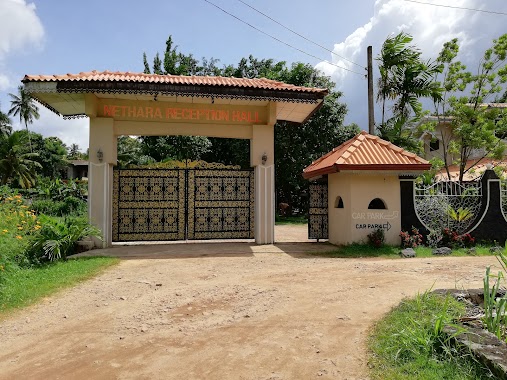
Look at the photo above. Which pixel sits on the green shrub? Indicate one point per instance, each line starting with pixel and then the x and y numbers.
pixel 69 206
pixel 58 239
pixel 376 238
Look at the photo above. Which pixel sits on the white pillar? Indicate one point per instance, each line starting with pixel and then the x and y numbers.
pixel 262 145
pixel 265 204
pixel 100 176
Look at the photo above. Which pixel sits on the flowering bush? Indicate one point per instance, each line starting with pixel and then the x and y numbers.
pixel 411 239
pixel 17 224
pixel 452 239
pixel 376 238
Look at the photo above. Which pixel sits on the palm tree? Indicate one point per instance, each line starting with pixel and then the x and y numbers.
pixel 5 125
pixel 404 79
pixel 16 166
pixel 23 105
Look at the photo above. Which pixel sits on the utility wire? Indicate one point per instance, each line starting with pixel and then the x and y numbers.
pixel 296 33
pixel 285 43
pixel 463 8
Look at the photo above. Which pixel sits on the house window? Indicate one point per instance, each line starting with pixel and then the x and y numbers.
pixel 338 203
pixel 434 145
pixel 377 204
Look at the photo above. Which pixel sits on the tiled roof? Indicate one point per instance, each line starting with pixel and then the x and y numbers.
pixel 366 152
pixel 473 174
pixel 109 76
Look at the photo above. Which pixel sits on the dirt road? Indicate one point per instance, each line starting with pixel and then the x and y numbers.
pixel 260 313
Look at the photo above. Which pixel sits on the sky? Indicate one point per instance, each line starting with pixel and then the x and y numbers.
pixel 58 37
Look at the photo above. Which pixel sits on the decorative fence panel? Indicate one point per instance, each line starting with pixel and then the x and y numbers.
pixel 448 205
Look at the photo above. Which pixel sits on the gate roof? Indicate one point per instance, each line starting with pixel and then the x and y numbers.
pixel 65 94
pixel 366 152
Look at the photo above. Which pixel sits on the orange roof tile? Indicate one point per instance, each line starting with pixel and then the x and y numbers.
pixel 475 173
pixel 366 152
pixel 109 76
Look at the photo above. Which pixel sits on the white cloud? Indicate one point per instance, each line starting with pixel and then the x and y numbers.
pixel 20 27
pixel 430 26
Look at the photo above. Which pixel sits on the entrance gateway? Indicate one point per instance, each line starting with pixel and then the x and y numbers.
pixel 160 105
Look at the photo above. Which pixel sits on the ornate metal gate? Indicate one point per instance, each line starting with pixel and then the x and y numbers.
pixel 318 213
pixel 179 204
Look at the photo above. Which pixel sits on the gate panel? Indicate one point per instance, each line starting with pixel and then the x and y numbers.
pixel 220 204
pixel 318 214
pixel 148 204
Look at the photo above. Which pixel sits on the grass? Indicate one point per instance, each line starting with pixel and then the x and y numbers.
pixel 408 343
pixel 22 287
pixel 285 220
pixel 365 250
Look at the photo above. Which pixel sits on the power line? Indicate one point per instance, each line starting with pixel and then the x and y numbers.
pixel 463 8
pixel 283 42
pixel 296 33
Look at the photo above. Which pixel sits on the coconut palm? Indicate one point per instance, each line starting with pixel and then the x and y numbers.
pixel 23 105
pixel 16 166
pixel 404 79
pixel 5 125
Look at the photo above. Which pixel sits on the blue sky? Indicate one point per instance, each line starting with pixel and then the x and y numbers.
pixel 56 37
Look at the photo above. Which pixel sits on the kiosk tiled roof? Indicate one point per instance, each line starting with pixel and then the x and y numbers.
pixel 216 81
pixel 366 152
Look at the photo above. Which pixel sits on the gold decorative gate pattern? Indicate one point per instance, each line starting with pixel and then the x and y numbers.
pixel 179 204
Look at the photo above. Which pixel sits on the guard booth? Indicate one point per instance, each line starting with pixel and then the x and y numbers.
pixel 356 190
pixel 136 104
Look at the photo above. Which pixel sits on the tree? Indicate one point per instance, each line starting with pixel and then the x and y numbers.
pixel 23 105
pixel 404 79
pixel 5 125
pixel 474 127
pixel 74 153
pixel 179 148
pixel 17 167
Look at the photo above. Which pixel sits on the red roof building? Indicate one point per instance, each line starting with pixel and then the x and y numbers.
pixel 366 152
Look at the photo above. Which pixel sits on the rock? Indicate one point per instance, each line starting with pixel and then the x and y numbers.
pixel 27 320
pixel 407 253
pixel 442 251
pixel 496 249
pixel 123 298
pixel 144 329
pixel 471 251
pixel 158 284
pixel 66 316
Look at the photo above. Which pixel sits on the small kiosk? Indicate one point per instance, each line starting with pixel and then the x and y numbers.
pixel 363 187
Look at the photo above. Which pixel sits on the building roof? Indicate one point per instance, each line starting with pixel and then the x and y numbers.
pixel 65 94
pixel 475 173
pixel 215 81
pixel 366 152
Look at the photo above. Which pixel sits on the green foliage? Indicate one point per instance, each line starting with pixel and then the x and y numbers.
pixel 459 215
pixel 5 125
pixel 474 127
pixel 409 343
pixel 68 206
pixel 17 166
pixel 404 79
pixel 23 287
pixel 163 148
pixel 58 190
pixel 57 239
pixel 495 306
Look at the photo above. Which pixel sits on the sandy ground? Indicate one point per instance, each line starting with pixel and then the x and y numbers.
pixel 220 311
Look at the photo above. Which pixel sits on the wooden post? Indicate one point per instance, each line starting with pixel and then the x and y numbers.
pixel 371 116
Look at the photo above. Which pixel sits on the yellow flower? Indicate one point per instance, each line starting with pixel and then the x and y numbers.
pixel 18 237
pixel 23 221
pixel 4 231
pixel 20 228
